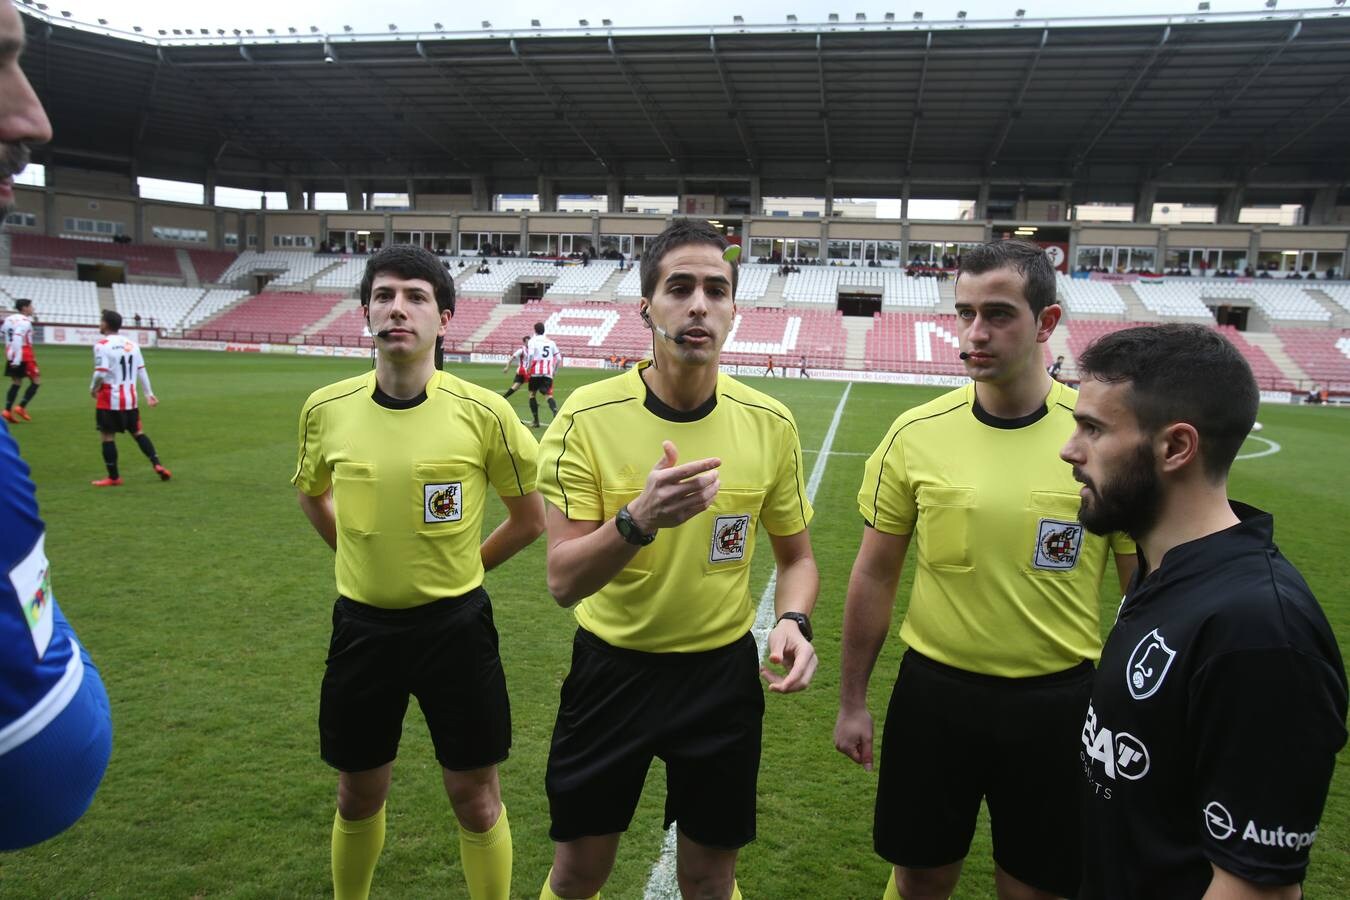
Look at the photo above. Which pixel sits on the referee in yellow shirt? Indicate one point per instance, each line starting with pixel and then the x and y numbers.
pixel 1002 626
pixel 656 562
pixel 394 471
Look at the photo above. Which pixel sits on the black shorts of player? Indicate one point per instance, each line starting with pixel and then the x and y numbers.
pixel 113 421
pixel 443 653
pixel 519 379
pixel 953 738
pixel 541 383
pixel 701 713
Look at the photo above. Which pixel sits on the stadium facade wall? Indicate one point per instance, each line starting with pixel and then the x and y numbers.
pixel 1143 236
pixel 646 225
pixel 453 202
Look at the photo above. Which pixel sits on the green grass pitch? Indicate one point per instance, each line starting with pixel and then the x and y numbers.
pixel 205 602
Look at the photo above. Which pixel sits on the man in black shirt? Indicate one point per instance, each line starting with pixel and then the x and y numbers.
pixel 1220 700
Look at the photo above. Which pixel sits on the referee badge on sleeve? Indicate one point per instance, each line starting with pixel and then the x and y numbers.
pixel 728 538
pixel 1058 544
pixel 443 502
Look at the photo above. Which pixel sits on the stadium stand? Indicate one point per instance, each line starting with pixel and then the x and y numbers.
pixel 1172 298
pixel 914 342
pixel 349 328
pixel 753 282
pixel 815 284
pixel 1083 297
pixel 274 317
pixel 55 299
pixel 168 306
pixel 1340 293
pixel 630 286
pixel 39 252
pixel 1287 302
pixel 503 273
pixel 210 264
pixel 1267 373
pixel 212 302
pixel 294 267
pixel 787 335
pixel 576 280
pixel 347 275
pixel 1322 354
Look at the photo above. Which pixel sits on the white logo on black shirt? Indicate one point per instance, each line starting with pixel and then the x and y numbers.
pixel 1122 755
pixel 1148 665
pixel 1058 544
pixel 1219 821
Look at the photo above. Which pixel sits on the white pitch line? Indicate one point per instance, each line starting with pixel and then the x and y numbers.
pixel 837 452
pixel 1271 448
pixel 661 883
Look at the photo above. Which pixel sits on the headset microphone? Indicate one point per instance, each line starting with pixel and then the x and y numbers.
pixel 383 335
pixel 965 355
pixel 677 339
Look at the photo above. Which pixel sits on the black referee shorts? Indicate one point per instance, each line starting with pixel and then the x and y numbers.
pixel 701 713
pixel 953 738
pixel 443 653
pixel 541 383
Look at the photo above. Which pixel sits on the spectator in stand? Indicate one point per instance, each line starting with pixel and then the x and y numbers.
pixel 137 319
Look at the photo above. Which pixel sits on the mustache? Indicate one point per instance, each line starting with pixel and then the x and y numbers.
pixel 14 158
pixel 1079 477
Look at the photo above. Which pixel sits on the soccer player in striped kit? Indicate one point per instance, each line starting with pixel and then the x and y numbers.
pixel 541 360
pixel 118 365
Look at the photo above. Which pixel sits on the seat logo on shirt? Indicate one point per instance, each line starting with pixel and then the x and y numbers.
pixel 728 538
pixel 1058 544
pixel 1148 665
pixel 444 502
pixel 1121 754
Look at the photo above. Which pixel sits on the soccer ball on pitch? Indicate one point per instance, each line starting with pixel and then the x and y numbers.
pixel 1256 426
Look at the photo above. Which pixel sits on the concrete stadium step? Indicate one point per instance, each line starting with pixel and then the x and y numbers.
pixel 499 313
pixel 189 270
pixel 1271 344
pixel 773 294
pixel 1339 317
pixel 1059 346
pixel 4 254
pixel 1135 310
pixel 855 350
pixel 342 306
pixel 106 300
pixel 946 297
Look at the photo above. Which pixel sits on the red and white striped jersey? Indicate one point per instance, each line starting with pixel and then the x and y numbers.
pixel 520 356
pixel 544 356
pixel 117 365
pixel 18 337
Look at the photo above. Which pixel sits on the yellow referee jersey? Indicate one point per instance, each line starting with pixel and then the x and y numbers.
pixel 409 485
pixel 688 590
pixel 1007 579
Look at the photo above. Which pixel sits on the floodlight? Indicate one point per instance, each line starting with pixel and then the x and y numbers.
pixel 834 17
pixel 271 31
pixel 237 32
pixel 66 13
pixel 890 17
pixel 583 23
pixel 739 20
pixel 606 22
pixel 291 29
pixel 918 16
pixel 1270 4
pixel 220 31
pixel 961 14
pixel 347 28
pixel 136 28
pixel 1020 13
pixel 314 29
pixel 439 26
pixel 103 21
pixel 534 23
pixel 162 31
pixel 487 24
pixel 1204 7
pixel 178 32
pixel 792 18
pixel 860 17
pixel 393 27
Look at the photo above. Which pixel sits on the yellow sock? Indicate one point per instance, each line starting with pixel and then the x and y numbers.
pixel 735 891
pixel 892 892
pixel 486 858
pixel 547 892
pixel 356 849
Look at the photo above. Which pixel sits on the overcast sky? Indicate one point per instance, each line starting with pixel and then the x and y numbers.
pixel 414 15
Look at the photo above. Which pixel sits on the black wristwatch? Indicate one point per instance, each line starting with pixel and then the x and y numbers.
pixel 623 520
pixel 803 622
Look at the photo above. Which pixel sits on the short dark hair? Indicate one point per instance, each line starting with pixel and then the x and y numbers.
pixel 112 318
pixel 538 327
pixel 22 303
pixel 677 234
pixel 1022 256
pixel 409 261
pixel 1181 373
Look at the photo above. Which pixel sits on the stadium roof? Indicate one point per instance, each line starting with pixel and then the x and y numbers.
pixel 1201 101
